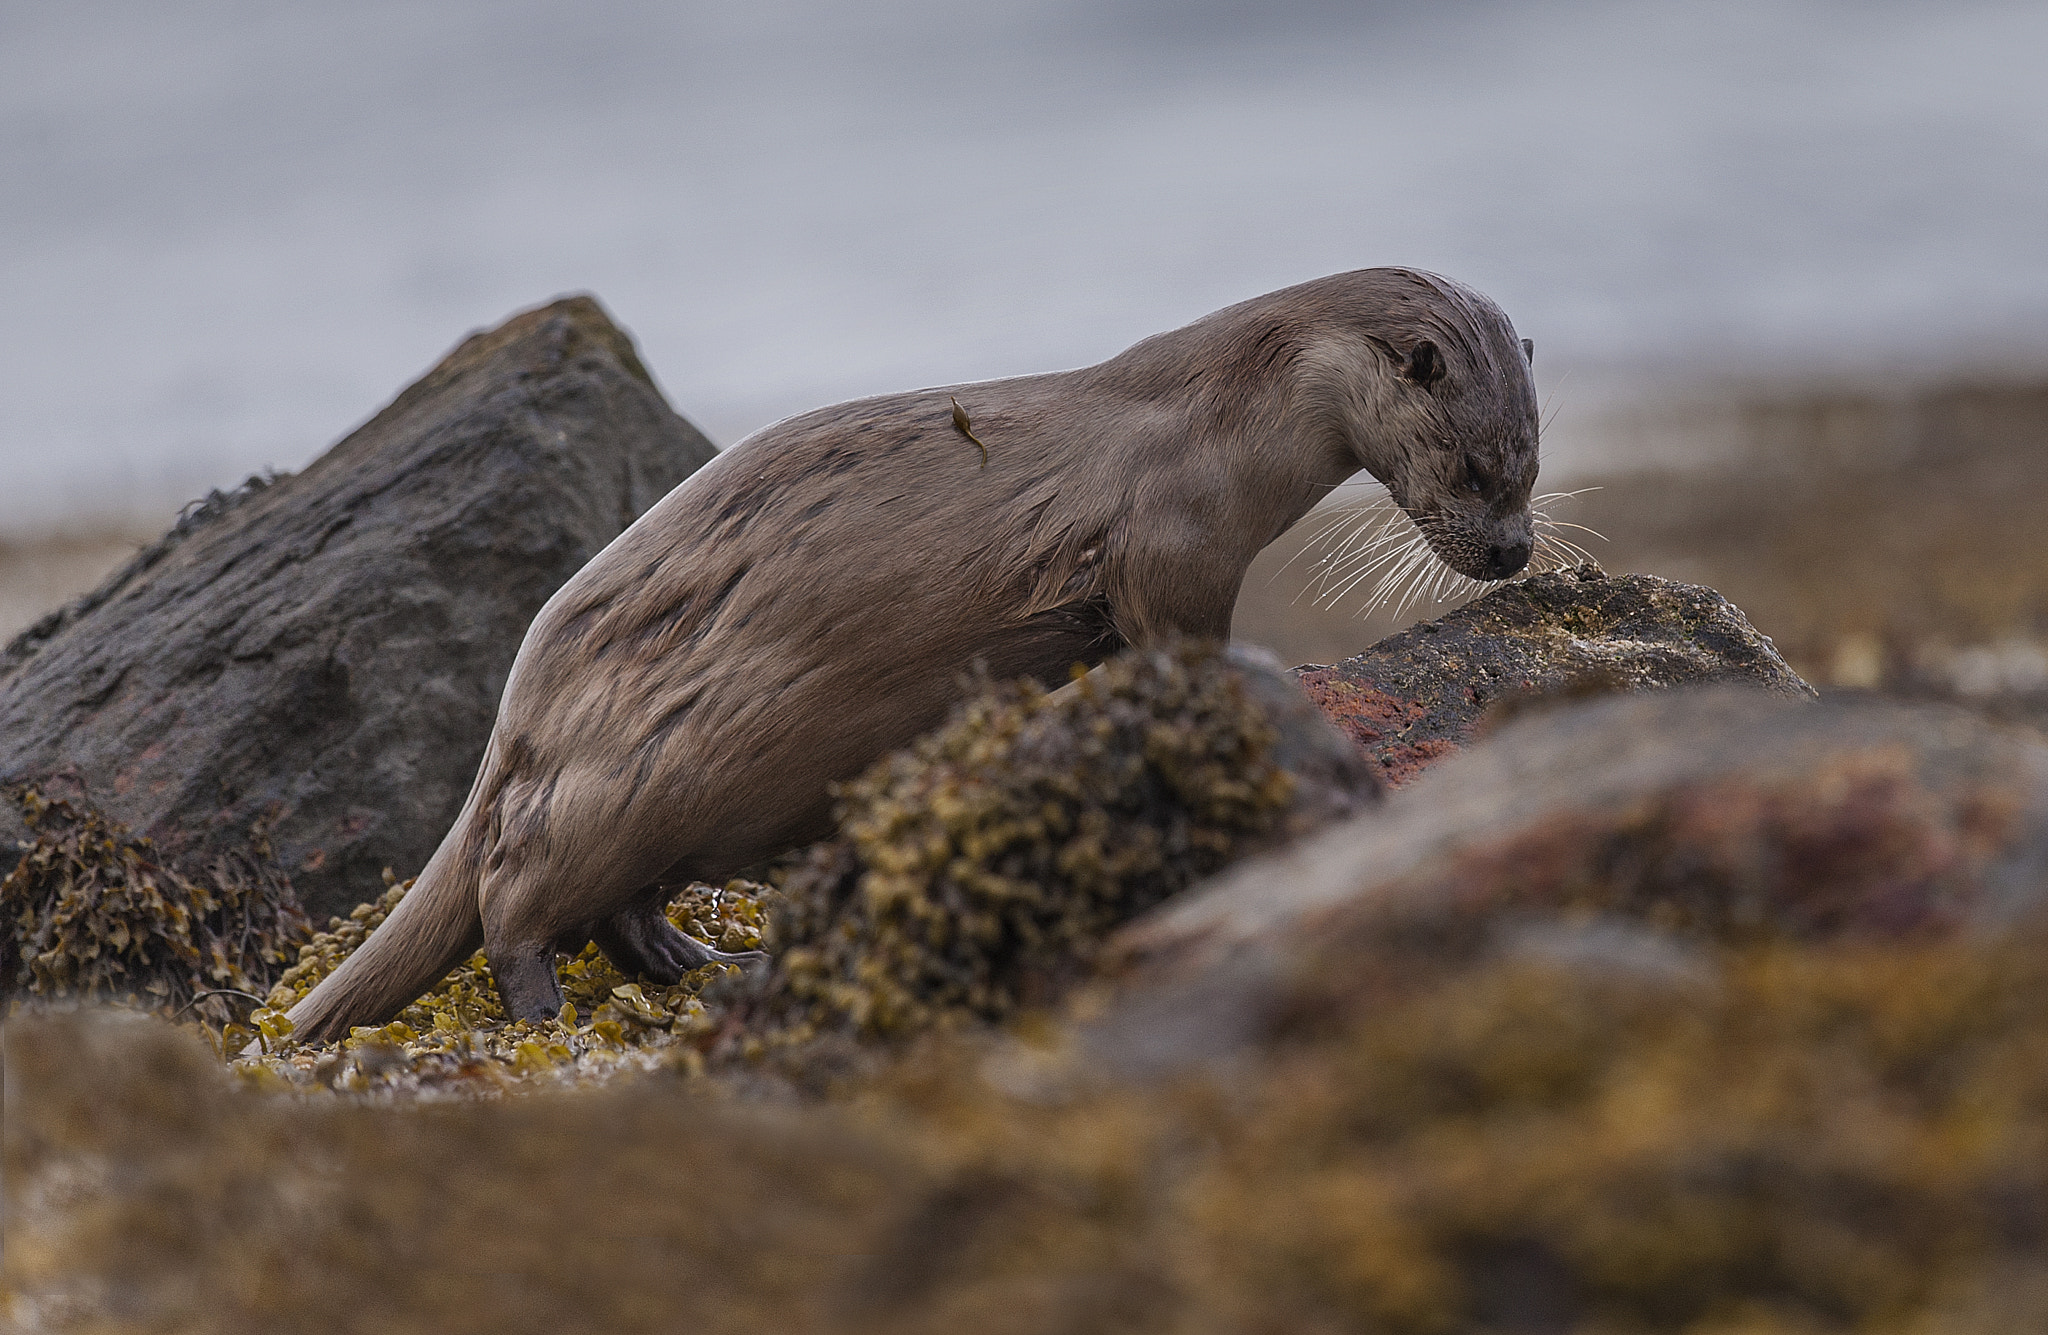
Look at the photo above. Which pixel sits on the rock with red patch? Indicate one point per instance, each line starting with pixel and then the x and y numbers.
pixel 1609 833
pixel 1416 697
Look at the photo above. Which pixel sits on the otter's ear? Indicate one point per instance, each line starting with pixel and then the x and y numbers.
pixel 1424 365
pixel 1529 350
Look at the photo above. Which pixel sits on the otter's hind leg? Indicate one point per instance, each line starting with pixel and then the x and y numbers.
pixel 579 882
pixel 521 939
pixel 642 940
pixel 526 979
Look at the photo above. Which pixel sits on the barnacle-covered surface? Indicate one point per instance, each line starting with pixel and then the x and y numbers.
pixel 456 1041
pixel 92 913
pixel 979 871
pixel 1778 1137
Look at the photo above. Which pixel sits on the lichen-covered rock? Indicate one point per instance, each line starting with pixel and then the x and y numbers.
pixel 91 913
pixel 1722 815
pixel 322 654
pixel 1681 1041
pixel 981 869
pixel 1416 697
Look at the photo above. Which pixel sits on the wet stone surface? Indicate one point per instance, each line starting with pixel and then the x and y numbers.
pixel 1417 697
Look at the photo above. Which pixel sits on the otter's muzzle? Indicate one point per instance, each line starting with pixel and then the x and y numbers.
pixel 1506 558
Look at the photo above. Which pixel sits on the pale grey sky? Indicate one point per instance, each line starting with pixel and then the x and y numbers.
pixel 229 231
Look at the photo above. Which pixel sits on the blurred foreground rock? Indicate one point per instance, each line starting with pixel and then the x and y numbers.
pixel 1817 1138
pixel 319 657
pixel 1622 832
pixel 1416 697
pixel 145 1192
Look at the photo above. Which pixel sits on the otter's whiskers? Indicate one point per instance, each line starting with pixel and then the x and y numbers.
pixel 1373 539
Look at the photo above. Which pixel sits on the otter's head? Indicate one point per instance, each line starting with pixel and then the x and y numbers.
pixel 1430 391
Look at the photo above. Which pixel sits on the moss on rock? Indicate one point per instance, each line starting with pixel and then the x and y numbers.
pixel 978 871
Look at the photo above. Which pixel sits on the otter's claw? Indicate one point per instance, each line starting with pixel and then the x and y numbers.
pixel 643 941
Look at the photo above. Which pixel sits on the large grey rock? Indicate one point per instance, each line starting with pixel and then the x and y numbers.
pixel 324 652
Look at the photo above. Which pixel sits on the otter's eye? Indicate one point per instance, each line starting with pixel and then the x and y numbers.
pixel 1475 481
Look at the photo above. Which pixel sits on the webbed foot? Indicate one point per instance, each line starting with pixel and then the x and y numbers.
pixel 643 941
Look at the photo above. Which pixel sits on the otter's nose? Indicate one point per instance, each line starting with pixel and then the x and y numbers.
pixel 1505 558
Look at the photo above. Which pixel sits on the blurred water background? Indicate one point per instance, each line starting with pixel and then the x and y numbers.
pixel 229 231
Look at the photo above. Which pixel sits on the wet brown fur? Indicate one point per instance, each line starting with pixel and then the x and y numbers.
pixel 811 599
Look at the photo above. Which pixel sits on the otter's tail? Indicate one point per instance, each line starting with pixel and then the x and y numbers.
pixel 434 927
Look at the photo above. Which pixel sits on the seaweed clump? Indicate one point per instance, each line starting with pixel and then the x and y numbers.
pixel 94 913
pixel 979 871
pixel 456 1039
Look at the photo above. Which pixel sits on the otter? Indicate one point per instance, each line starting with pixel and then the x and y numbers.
pixel 814 597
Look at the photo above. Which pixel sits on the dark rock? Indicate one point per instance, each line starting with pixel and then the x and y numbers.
pixel 1717 816
pixel 325 651
pixel 1416 697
